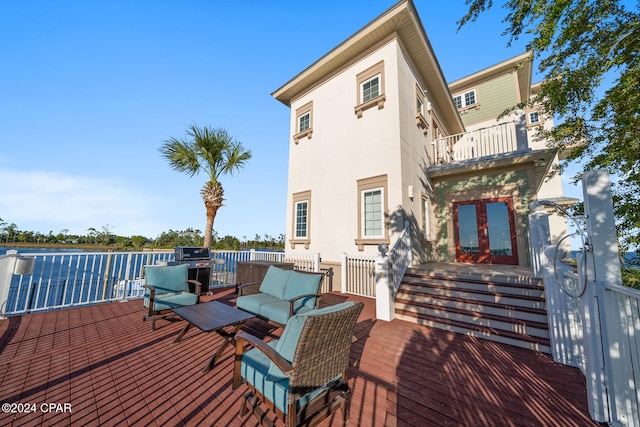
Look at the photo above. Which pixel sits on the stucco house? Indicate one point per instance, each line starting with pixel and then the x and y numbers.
pixel 378 139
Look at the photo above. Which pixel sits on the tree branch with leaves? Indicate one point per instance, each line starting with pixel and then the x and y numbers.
pixel 589 57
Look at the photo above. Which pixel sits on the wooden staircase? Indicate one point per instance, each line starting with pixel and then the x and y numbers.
pixel 506 308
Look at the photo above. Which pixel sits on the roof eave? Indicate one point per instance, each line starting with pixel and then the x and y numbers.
pixel 521 64
pixel 401 21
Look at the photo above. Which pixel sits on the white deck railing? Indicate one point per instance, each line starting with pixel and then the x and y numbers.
pixel 68 279
pixel 484 142
pixel 359 275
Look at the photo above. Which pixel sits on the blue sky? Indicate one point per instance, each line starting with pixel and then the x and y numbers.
pixel 89 90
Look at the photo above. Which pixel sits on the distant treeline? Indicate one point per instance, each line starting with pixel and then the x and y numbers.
pixel 11 235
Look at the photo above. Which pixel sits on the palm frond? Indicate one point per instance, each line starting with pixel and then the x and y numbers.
pixel 181 156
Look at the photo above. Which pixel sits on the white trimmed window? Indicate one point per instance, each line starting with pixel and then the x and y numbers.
pixel 534 117
pixel 304 122
pixel 301 232
pixel 373 218
pixel 465 99
pixel 372 208
pixel 421 119
pixel 425 213
pixel 302 209
pixel 370 89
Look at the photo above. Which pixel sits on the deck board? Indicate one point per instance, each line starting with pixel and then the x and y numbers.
pixel 114 370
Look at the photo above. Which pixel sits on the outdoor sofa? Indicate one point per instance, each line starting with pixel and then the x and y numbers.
pixel 280 295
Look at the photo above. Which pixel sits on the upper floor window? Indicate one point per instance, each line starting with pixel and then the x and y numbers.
pixel 421 121
pixel 301 219
pixel 370 87
pixel 534 117
pixel 465 99
pixel 304 122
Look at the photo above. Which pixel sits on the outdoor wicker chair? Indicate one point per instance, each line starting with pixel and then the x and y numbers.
pixel 166 288
pixel 302 377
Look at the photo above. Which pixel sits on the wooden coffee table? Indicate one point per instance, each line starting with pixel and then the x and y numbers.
pixel 213 316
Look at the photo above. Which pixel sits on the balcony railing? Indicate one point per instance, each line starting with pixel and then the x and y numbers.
pixel 491 141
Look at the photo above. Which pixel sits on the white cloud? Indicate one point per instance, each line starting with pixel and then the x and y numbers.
pixel 51 201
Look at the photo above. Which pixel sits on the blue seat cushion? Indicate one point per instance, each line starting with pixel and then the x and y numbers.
pixel 288 341
pixel 302 284
pixel 275 281
pixel 167 279
pixel 255 370
pixel 252 303
pixel 278 311
pixel 170 301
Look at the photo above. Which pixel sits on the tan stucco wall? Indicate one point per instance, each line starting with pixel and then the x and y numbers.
pixel 342 150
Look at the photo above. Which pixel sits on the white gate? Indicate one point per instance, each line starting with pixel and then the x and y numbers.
pixel 594 321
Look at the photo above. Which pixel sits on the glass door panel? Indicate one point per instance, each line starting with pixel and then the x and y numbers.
pixel 468 229
pixel 498 229
pixel 485 231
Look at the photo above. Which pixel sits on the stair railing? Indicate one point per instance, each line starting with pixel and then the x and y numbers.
pixel 390 270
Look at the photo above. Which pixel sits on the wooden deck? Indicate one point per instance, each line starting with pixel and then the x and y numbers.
pixel 111 369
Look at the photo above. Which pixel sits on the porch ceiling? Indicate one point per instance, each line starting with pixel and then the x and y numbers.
pixel 539 161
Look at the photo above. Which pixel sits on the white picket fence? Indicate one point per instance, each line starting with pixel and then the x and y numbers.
pixel 359 275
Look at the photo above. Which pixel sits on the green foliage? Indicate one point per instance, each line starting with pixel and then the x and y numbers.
pixel 589 55
pixel 631 272
pixel 173 238
pixel 227 242
pixel 12 235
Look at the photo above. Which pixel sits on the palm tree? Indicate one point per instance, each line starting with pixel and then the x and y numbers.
pixel 213 151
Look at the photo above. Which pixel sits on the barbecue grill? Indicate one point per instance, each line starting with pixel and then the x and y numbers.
pixel 199 261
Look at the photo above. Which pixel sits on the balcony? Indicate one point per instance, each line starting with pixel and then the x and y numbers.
pixel 485 142
pixel 103 361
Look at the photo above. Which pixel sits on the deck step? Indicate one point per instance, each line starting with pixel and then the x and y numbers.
pixel 505 309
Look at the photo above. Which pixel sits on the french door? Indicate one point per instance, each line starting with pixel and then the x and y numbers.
pixel 485 231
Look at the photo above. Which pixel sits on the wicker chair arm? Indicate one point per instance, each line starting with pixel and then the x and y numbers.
pixel 249 288
pixel 283 364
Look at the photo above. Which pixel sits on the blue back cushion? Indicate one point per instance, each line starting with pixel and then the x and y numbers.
pixel 288 341
pixel 167 278
pixel 275 281
pixel 302 284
